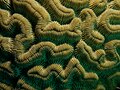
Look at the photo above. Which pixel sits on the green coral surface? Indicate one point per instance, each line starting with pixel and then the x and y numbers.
pixel 59 44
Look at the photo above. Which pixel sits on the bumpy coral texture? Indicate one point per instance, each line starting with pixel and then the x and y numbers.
pixel 59 44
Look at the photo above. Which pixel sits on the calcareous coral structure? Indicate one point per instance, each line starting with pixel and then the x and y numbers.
pixel 59 44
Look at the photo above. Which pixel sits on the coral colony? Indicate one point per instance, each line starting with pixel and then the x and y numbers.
pixel 59 44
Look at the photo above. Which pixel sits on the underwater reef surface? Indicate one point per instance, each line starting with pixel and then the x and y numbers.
pixel 59 44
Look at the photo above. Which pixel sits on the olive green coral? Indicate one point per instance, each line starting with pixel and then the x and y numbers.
pixel 59 44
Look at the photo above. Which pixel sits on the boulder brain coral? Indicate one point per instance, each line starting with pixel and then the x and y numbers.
pixel 59 44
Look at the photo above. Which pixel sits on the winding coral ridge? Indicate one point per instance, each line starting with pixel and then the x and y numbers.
pixel 40 72
pixel 59 44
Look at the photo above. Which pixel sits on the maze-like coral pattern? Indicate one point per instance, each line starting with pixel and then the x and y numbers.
pixel 59 44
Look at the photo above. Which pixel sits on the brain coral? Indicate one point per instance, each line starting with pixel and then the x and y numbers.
pixel 59 44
